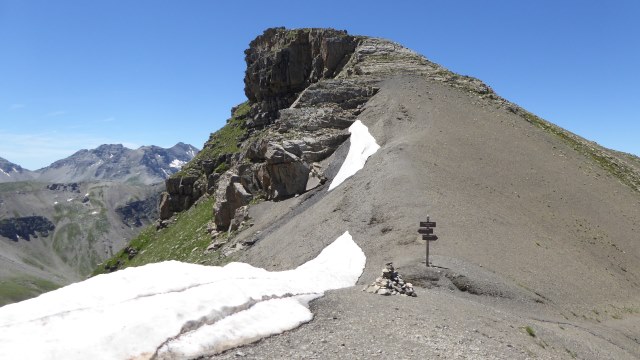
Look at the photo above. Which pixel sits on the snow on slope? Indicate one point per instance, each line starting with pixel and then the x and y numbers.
pixel 176 309
pixel 362 146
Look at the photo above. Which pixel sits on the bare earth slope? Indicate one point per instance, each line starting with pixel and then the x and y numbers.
pixel 536 233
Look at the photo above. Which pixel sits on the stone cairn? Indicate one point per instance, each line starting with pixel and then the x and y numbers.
pixel 390 283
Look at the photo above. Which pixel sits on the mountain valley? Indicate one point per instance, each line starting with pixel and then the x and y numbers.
pixel 53 233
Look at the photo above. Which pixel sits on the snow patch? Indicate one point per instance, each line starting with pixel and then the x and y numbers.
pixel 69 200
pixel 177 164
pixel 362 145
pixel 14 170
pixel 55 203
pixel 172 308
pixel 191 153
pixel 94 213
pixel 4 172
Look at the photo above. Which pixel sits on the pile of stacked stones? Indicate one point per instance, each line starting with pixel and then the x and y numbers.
pixel 390 283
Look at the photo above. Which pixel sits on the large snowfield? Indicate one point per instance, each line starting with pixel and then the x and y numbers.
pixel 174 310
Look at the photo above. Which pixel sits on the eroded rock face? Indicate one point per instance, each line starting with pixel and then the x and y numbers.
pixel 281 63
pixel 297 116
pixel 231 195
pixel 181 193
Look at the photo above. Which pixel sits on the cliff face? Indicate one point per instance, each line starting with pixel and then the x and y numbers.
pixel 272 145
pixel 281 63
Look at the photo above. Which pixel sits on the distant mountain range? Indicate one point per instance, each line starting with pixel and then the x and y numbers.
pixel 145 165
pixel 13 172
pixel 57 223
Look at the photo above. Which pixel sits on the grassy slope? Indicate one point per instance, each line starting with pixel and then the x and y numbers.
pixel 22 288
pixel 187 238
pixel 184 240
pixel 223 141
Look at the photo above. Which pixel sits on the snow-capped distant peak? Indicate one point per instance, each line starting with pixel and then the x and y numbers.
pixel 177 164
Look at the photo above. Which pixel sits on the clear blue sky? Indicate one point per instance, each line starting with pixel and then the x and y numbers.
pixel 76 74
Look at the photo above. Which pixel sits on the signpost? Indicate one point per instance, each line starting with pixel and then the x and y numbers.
pixel 426 229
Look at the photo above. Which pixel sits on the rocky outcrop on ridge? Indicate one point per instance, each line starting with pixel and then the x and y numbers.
pixel 282 63
pixel 296 116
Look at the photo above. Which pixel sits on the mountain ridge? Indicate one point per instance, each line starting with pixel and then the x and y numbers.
pixel 538 253
pixel 146 164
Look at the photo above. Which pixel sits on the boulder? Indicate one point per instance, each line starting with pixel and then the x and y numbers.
pixel 230 195
pixel 241 215
pixel 181 193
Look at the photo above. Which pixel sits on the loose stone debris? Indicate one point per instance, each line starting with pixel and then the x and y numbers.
pixel 390 283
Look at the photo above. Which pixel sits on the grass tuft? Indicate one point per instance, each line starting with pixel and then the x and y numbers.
pixel 530 331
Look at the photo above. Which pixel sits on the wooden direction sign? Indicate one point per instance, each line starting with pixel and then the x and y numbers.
pixel 426 229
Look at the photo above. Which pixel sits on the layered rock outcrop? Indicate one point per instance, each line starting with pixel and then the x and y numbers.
pixel 296 116
pixel 281 63
pixel 304 87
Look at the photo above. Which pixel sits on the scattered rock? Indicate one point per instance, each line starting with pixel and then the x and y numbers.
pixel 131 252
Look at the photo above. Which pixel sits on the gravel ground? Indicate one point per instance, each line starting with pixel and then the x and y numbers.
pixel 546 237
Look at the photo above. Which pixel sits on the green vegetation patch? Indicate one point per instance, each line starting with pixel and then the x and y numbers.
pixel 223 141
pixel 185 240
pixel 17 289
pixel 20 186
pixel 530 331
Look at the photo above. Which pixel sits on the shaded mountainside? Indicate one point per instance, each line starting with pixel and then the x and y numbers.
pixel 55 234
pixel 538 256
pixel 12 172
pixel 145 165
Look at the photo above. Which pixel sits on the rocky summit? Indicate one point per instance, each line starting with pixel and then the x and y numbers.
pixel 537 253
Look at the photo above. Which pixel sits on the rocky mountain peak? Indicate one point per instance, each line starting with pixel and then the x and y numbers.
pixel 281 63
pixel 147 164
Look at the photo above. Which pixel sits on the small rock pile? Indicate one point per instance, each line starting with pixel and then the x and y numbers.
pixel 390 283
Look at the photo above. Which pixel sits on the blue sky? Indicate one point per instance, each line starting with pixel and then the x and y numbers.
pixel 76 74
